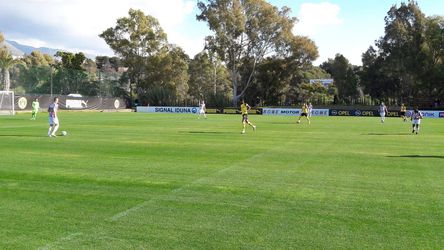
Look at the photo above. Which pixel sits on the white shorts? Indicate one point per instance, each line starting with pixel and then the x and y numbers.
pixel 53 121
pixel 382 114
pixel 201 111
pixel 416 122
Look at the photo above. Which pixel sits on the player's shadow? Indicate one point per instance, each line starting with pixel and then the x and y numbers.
pixel 417 156
pixel 387 134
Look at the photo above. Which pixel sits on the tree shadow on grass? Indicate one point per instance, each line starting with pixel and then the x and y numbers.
pixel 417 156
pixel 205 132
pixel 283 123
pixel 22 135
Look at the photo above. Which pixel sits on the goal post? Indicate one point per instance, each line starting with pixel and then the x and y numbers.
pixel 7 103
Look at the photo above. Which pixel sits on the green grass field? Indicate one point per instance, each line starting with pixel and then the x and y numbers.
pixel 144 181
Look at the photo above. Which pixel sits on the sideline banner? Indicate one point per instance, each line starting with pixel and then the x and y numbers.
pixel 67 102
pixel 391 113
pixel 355 112
pixel 292 112
pixel 429 113
pixel 170 110
pixel 361 112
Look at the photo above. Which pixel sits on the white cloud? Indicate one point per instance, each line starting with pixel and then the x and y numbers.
pixel 78 23
pixel 191 45
pixel 313 17
pixel 32 42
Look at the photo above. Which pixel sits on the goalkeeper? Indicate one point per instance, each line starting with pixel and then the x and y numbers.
pixel 35 108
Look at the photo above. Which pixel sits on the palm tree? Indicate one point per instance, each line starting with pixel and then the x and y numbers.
pixel 6 62
pixel 1 40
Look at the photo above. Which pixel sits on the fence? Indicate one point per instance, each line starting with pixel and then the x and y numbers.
pixel 61 81
pixel 24 102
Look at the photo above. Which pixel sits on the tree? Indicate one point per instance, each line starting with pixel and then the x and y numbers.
pixel 111 76
pixel 300 52
pixel 277 78
pixel 35 72
pixel 300 84
pixel 407 63
pixel 36 58
pixel 272 81
pixel 314 91
pixel 108 64
pixel 70 76
pixel 70 60
pixel 433 48
pixel 400 47
pixel 1 40
pixel 174 68
pixel 166 79
pixel 134 39
pixel 202 77
pixel 245 32
pixel 344 75
pixel 6 62
pixel 209 79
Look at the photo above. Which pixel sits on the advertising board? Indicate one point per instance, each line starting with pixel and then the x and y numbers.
pixel 169 110
pixel 292 112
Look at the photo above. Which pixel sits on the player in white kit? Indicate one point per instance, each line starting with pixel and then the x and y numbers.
pixel 310 109
pixel 202 110
pixel 53 118
pixel 416 120
pixel 382 111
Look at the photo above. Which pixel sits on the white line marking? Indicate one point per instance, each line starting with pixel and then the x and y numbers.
pixel 129 210
pixel 61 240
pixel 125 213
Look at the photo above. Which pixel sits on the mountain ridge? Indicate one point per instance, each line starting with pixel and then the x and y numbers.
pixel 12 49
pixel 18 49
pixel 27 50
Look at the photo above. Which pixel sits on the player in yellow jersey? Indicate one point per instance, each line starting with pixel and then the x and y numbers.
pixel 244 110
pixel 304 112
pixel 402 112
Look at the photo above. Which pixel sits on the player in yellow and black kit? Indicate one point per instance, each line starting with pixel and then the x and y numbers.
pixel 402 112
pixel 304 112
pixel 244 110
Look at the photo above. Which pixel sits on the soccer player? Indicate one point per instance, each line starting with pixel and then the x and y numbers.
pixel 310 109
pixel 202 110
pixel 416 120
pixel 402 111
pixel 382 111
pixel 244 110
pixel 35 108
pixel 304 112
pixel 53 118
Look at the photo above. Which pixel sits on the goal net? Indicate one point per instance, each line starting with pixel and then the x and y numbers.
pixel 7 103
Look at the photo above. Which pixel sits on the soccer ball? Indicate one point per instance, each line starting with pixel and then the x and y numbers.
pixel 299 121
pixel 64 133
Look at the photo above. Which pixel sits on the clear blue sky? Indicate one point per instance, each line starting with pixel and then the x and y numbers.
pixel 348 27
pixel 351 25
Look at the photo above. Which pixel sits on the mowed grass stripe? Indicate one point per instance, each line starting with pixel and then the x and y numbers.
pixel 204 180
pixel 340 182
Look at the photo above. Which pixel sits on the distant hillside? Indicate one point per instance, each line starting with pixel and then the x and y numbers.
pixel 27 50
pixel 12 49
